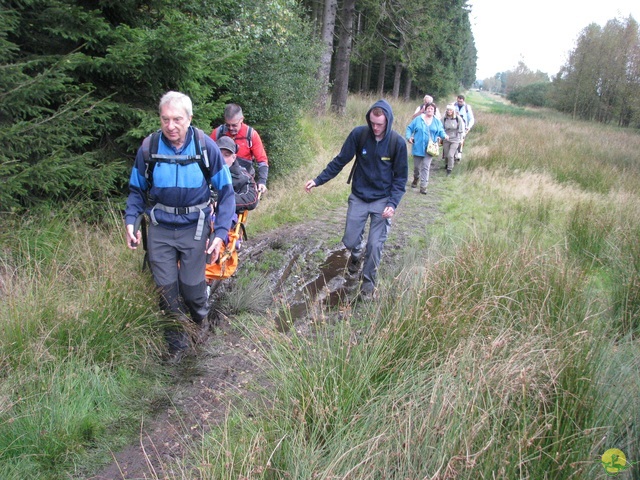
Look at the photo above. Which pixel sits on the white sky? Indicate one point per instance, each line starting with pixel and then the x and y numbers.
pixel 540 33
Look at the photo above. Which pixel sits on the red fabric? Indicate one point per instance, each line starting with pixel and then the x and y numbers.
pixel 256 151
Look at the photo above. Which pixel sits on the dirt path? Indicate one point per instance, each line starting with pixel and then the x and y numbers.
pixel 227 364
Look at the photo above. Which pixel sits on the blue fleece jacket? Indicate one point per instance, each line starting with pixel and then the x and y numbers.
pixel 178 185
pixel 377 174
pixel 422 133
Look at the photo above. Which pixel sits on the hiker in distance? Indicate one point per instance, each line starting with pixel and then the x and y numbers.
pixel 420 109
pixel 173 187
pixel 250 147
pixel 454 127
pixel 378 177
pixel 424 131
pixel 464 110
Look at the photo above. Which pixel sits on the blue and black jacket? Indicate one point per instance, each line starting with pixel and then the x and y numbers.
pixel 379 173
pixel 179 185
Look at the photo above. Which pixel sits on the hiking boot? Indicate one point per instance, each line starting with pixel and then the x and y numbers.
pixel 353 266
pixel 414 184
pixel 448 172
pixel 367 295
pixel 201 332
pixel 175 356
pixel 423 191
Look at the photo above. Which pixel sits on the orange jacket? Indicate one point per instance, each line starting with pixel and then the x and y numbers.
pixel 247 155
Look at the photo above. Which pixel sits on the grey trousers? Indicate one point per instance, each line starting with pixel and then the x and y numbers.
pixel 421 167
pixel 358 213
pixel 178 265
pixel 450 149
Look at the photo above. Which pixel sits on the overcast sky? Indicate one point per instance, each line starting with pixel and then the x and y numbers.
pixel 540 33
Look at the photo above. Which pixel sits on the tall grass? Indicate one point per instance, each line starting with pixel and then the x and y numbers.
pixel 77 344
pixel 507 348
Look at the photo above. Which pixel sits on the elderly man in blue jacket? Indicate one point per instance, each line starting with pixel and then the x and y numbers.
pixel 379 177
pixel 172 185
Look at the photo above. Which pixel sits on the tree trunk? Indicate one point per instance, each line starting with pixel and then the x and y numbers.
pixel 366 77
pixel 324 70
pixel 381 73
pixel 397 75
pixel 343 58
pixel 407 86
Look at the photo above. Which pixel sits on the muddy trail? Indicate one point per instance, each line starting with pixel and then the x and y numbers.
pixel 305 268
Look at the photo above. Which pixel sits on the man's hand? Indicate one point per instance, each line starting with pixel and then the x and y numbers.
pixel 309 185
pixel 411 140
pixel 262 188
pixel 133 239
pixel 388 212
pixel 213 249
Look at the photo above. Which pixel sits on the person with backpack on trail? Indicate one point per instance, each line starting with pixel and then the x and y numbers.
pixel 379 175
pixel 421 108
pixel 244 185
pixel 422 130
pixel 455 128
pixel 465 111
pixel 250 147
pixel 171 182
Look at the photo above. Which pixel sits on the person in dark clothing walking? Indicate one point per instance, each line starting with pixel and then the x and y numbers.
pixel 379 177
pixel 244 185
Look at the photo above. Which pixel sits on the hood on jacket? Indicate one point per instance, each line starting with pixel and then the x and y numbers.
pixel 386 108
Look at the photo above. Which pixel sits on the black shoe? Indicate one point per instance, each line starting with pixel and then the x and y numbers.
pixel 423 191
pixel 448 172
pixel 354 265
pixel 414 184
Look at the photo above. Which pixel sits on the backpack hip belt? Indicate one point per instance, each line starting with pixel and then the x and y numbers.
pixel 183 211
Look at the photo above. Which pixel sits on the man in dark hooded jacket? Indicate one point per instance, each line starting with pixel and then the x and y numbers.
pixel 379 178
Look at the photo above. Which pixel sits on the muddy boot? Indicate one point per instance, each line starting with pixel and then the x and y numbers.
pixel 414 184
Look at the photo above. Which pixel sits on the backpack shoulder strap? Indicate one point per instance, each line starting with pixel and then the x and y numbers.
pixel 149 148
pixel 201 153
pixel 393 144
pixel 220 131
pixel 359 145
pixel 249 136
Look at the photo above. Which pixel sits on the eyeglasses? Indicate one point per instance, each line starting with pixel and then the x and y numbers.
pixel 233 125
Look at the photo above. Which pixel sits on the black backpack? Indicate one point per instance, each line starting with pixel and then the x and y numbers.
pixel 151 156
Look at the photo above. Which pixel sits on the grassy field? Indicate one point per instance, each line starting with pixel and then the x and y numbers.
pixel 505 345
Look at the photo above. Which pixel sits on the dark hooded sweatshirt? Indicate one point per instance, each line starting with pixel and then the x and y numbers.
pixel 378 174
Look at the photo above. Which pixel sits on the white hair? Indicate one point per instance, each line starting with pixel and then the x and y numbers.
pixel 179 99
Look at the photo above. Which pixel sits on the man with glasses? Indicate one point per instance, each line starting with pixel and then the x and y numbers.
pixel 250 147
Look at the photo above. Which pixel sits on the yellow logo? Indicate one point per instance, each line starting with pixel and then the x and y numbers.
pixel 614 461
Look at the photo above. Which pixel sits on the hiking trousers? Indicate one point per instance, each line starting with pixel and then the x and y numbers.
pixel 358 212
pixel 178 267
pixel 450 150
pixel 421 168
